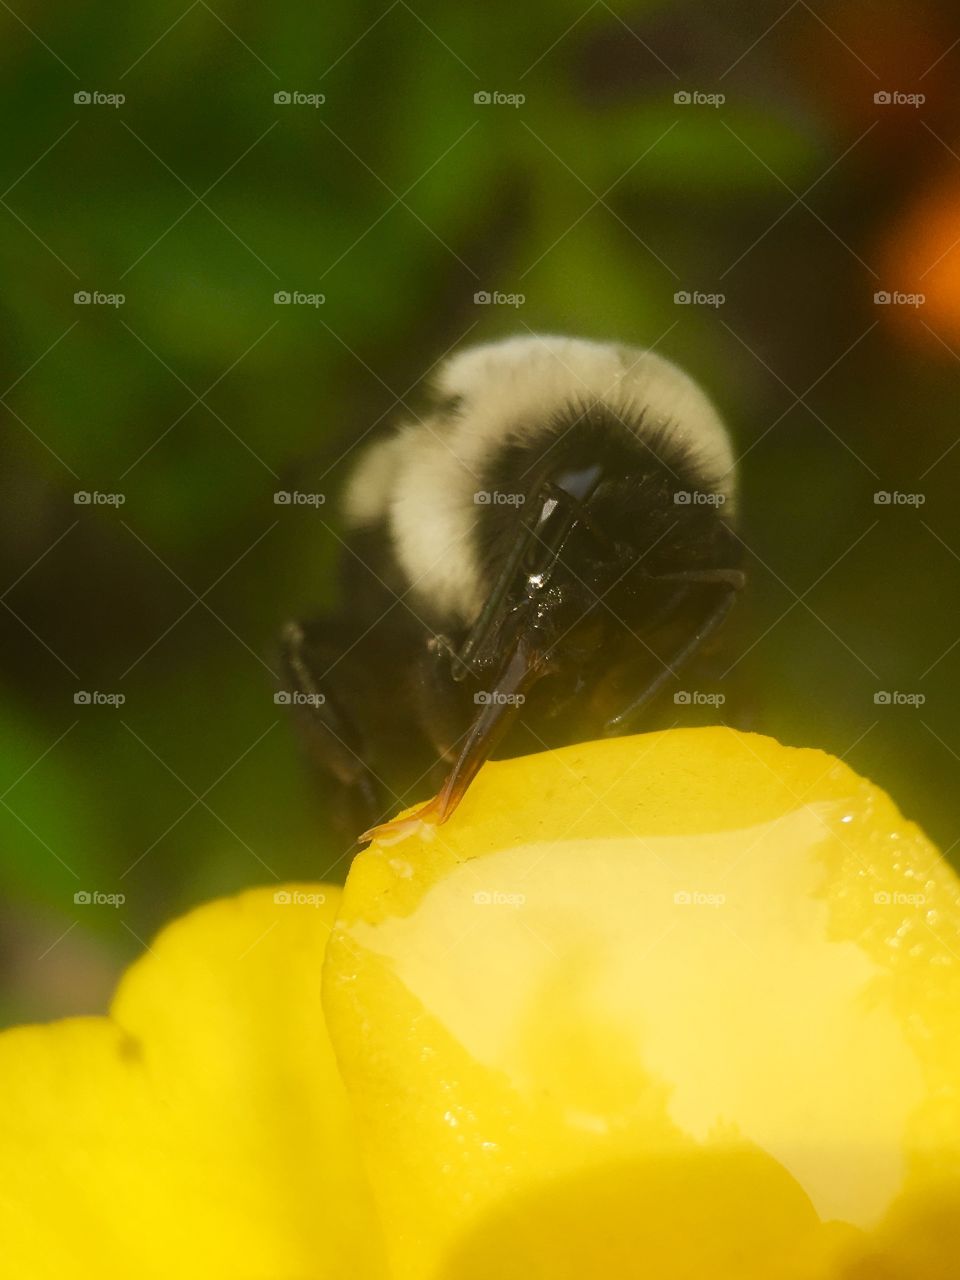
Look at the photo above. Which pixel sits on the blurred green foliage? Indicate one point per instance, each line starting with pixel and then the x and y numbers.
pixel 400 197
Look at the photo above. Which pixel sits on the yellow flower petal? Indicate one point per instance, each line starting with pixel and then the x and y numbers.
pixel 201 1130
pixel 681 1005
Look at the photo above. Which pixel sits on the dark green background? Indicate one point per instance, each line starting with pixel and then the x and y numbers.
pixel 398 199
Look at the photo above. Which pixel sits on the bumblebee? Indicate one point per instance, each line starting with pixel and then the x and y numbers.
pixel 526 565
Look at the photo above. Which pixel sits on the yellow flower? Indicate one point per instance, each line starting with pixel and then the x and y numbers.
pixel 681 1005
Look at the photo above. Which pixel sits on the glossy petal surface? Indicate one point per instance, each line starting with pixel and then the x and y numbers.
pixel 199 1131
pixel 681 1005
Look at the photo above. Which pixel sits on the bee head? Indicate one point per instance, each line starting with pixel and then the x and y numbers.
pixel 609 531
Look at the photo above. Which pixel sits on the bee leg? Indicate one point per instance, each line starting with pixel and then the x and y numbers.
pixel 335 748
pixel 625 719
pixel 444 707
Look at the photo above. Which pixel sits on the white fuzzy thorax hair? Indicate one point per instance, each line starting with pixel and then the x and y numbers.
pixel 422 481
